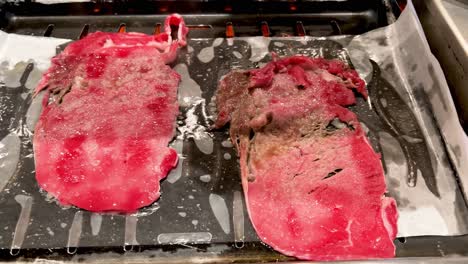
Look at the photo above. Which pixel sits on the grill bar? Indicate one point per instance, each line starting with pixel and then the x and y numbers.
pixel 122 28
pixel 202 26
pixel 229 30
pixel 84 31
pixel 48 30
pixel 300 30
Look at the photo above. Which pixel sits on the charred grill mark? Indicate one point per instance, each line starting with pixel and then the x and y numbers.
pixel 331 128
pixel 269 117
pixel 251 90
pixel 174 30
pixel 337 124
pixel 55 90
pixel 250 178
pixel 62 93
pixel 251 134
pixel 312 190
pixel 332 173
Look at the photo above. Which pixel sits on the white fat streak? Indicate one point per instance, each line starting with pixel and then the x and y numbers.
pixel 23 222
pixel 109 43
pixel 348 230
pixel 220 211
pixel 386 202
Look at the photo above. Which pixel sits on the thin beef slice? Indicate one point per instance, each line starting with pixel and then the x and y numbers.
pixel 101 142
pixel 313 185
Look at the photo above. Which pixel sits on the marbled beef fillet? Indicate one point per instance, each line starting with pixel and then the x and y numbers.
pixel 313 185
pixel 101 142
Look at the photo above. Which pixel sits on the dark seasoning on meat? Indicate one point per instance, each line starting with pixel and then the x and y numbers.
pixel 224 173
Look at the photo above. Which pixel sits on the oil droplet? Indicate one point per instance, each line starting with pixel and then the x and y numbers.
pixel 205 178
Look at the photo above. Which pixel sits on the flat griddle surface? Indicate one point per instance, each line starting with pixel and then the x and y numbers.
pixel 53 231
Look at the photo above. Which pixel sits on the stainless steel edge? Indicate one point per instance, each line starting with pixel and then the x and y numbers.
pixel 449 47
pixel 142 260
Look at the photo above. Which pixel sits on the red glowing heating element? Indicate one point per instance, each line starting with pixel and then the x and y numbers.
pixel 229 30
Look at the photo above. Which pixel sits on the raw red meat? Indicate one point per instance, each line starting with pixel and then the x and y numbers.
pixel 101 142
pixel 314 187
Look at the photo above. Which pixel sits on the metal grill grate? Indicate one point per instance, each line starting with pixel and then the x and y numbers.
pixel 37 20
